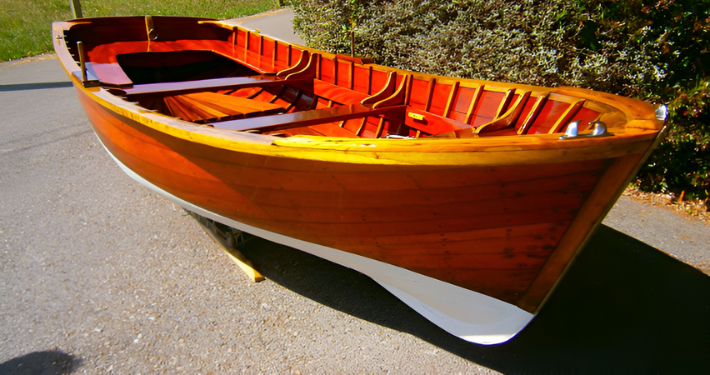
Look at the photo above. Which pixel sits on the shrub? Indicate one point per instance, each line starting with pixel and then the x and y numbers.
pixel 652 50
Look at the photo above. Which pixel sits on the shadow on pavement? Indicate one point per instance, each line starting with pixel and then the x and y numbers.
pixel 623 306
pixel 35 86
pixel 45 363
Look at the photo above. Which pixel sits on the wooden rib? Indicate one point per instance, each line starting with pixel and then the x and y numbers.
pixel 474 101
pixel 314 103
pixel 261 51
pixel 505 102
pixel 335 71
pixel 278 95
pixel 256 94
pixel 298 97
pixel 452 95
pixel 399 127
pixel 380 127
pixel 369 80
pixel 246 45
pixel 567 116
pixel 519 106
pixel 430 92
pixel 149 103
pixel 318 64
pixel 234 41
pixel 352 75
pixel 274 55
pixel 261 46
pixel 534 111
pixel 408 90
pixel 361 127
pixel 290 53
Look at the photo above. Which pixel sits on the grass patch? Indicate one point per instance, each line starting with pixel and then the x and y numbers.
pixel 25 25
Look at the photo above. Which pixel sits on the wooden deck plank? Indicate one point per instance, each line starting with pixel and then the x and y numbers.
pixel 180 110
pixel 205 112
pixel 228 101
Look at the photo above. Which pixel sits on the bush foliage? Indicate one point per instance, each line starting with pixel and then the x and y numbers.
pixel 652 50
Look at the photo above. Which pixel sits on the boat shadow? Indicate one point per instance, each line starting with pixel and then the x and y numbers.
pixel 45 362
pixel 623 305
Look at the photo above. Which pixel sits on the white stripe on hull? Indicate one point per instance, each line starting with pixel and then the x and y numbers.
pixel 471 316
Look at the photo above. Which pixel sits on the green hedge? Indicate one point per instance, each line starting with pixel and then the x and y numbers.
pixel 652 50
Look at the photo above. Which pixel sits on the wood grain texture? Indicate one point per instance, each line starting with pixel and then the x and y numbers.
pixel 473 211
pixel 502 215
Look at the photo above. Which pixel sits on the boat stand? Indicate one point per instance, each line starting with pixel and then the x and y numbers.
pixel 231 240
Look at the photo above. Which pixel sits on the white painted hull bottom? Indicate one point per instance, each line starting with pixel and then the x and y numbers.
pixel 469 315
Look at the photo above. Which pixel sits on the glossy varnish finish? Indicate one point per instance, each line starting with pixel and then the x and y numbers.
pixel 485 196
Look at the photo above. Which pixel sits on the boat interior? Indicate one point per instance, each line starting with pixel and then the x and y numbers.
pixel 220 75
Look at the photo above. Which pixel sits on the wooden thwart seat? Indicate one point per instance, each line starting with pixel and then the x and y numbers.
pixel 172 88
pixel 308 118
pixel 109 74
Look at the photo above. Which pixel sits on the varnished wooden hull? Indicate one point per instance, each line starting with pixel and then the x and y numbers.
pixel 498 217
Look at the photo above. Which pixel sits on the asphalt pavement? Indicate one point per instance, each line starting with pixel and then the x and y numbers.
pixel 98 274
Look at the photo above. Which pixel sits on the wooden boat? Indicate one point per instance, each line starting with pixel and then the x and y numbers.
pixel 466 199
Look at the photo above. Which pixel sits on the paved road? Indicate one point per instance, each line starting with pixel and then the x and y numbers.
pixel 98 274
pixel 277 24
